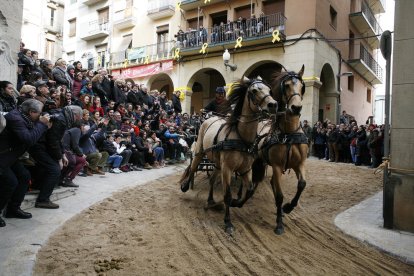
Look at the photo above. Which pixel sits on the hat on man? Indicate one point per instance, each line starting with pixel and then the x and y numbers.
pixel 40 83
pixel 220 90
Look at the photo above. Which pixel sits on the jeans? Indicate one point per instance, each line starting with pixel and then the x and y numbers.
pixel 159 154
pixel 126 155
pixel 50 171
pixel 115 160
pixel 14 182
pixel 353 153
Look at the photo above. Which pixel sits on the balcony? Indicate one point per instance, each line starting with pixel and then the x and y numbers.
pixel 138 55
pixel 377 6
pixel 367 66
pixel 187 5
pixel 158 9
pixel 54 29
pixel 95 63
pixel 91 2
pixel 95 30
pixel 365 22
pixel 126 18
pixel 257 31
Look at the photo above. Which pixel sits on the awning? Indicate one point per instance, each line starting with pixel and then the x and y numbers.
pixel 119 55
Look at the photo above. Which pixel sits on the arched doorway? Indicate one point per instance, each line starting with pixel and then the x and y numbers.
pixel 161 82
pixel 264 69
pixel 328 97
pixel 203 84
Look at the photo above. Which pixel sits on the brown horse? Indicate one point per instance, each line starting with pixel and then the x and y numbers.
pixel 286 147
pixel 231 143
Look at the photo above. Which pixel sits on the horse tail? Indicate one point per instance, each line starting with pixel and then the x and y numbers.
pixel 258 170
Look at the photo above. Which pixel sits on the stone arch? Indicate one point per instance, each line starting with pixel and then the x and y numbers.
pixel 265 69
pixel 203 84
pixel 328 96
pixel 161 82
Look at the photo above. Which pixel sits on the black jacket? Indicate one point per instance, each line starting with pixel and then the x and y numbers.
pixel 17 137
pixel 176 104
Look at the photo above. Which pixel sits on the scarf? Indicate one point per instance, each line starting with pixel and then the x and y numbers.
pixel 29 122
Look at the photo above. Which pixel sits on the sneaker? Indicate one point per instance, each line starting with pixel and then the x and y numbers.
pixel 147 166
pixel 97 171
pixel 46 205
pixel 136 168
pixel 67 182
pixel 115 170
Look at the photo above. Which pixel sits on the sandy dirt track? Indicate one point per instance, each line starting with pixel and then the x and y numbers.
pixel 157 230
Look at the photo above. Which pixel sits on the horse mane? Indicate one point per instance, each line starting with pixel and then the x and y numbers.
pixel 236 97
pixel 276 79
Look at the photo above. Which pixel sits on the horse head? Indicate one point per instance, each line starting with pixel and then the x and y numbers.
pixel 289 89
pixel 259 96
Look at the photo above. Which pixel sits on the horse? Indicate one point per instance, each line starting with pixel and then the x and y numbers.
pixel 286 146
pixel 230 143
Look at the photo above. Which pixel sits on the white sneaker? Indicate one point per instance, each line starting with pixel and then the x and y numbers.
pixel 116 170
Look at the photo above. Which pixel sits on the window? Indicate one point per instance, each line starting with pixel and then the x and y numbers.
pixel 72 27
pixel 52 16
pixel 351 83
pixel 101 56
pixel 369 95
pixel 273 6
pixel 50 49
pixel 333 16
pixel 162 38
pixel 103 16
pixel 70 57
pixel 351 45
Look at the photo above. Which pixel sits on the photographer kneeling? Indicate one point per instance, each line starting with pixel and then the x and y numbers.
pixel 24 128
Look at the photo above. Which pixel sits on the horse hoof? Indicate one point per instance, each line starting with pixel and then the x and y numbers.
pixel 230 230
pixel 279 230
pixel 185 187
pixel 287 208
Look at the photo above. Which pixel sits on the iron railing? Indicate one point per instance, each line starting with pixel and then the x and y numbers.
pixel 367 58
pixel 246 28
pixel 98 25
pixel 366 10
pixel 152 52
pixel 160 5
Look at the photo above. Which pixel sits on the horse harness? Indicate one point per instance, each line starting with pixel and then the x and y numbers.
pixel 287 139
pixel 294 77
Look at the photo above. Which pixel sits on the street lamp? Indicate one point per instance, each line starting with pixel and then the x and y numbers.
pixel 226 59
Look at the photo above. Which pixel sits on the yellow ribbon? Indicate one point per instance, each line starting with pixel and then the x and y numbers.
pixel 206 1
pixel 177 53
pixel 99 61
pixel 126 63
pixel 178 5
pixel 275 35
pixel 203 48
pixel 146 60
pixel 238 42
pixel 182 96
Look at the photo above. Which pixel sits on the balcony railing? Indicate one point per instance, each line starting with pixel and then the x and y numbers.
pixel 367 58
pixel 137 55
pixel 55 29
pixel 161 8
pixel 367 66
pixel 370 17
pixel 125 18
pixel 96 29
pixel 249 29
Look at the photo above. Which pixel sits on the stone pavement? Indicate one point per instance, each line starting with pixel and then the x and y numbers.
pixel 364 222
pixel 21 239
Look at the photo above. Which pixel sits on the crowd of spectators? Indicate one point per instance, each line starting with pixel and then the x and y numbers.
pixel 65 122
pixel 226 31
pixel 347 142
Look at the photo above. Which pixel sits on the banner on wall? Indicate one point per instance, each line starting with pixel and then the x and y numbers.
pixel 136 53
pixel 144 70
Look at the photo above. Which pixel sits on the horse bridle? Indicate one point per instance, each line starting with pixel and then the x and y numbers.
pixel 251 95
pixel 294 77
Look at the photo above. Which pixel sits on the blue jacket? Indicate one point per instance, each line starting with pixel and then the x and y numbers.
pixel 17 137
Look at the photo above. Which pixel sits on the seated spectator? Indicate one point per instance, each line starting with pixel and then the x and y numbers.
pixel 8 102
pixel 85 101
pixel 97 106
pixel 26 92
pixel 87 90
pixel 42 91
pixel 155 143
pixel 60 75
pixel 24 127
pixel 75 156
pixel 123 151
pixel 174 147
pixel 77 84
pixel 88 143
pixel 114 160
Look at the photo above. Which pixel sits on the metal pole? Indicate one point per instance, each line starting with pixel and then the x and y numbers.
pixel 198 23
